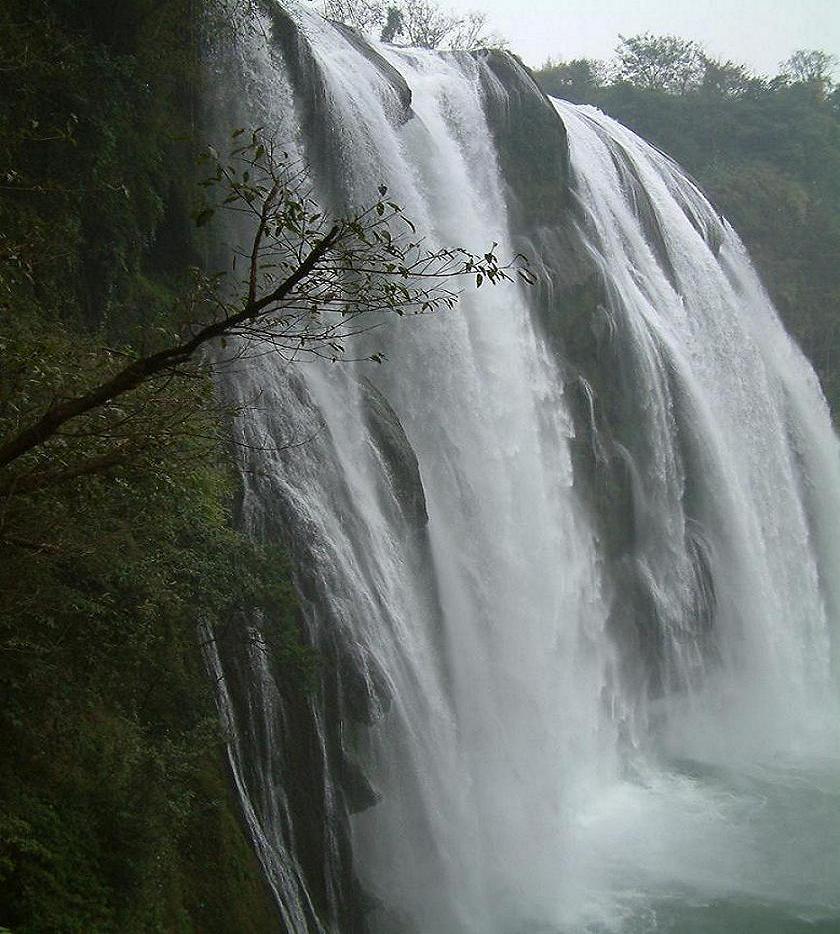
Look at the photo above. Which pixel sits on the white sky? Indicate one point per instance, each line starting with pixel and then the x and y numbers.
pixel 760 33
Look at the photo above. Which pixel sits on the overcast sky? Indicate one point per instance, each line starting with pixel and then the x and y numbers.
pixel 760 33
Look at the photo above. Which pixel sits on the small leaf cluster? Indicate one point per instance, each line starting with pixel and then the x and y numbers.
pixel 364 264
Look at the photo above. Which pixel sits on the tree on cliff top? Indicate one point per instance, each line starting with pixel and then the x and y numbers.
pixel 660 63
pixel 418 23
pixel 309 281
pixel 812 67
pixel 577 80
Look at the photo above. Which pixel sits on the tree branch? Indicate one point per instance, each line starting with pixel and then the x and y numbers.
pixel 140 371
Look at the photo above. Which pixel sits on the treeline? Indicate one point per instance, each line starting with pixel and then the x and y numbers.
pixel 116 812
pixel 765 149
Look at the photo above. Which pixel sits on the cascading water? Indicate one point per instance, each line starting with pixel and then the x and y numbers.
pixel 570 554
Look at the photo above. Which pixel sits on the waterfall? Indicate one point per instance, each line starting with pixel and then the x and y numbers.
pixel 569 556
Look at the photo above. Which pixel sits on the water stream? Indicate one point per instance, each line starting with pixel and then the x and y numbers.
pixel 579 569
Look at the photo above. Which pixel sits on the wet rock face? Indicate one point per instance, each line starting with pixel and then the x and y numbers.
pixel 397 455
pixel 314 110
pixel 530 138
pixel 399 85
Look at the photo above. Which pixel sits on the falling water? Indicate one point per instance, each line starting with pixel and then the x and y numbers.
pixel 572 560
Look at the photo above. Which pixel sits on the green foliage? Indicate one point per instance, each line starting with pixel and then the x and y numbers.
pixel 813 67
pixel 659 63
pixel 768 154
pixel 98 115
pixel 577 80
pixel 108 707
pixel 115 807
